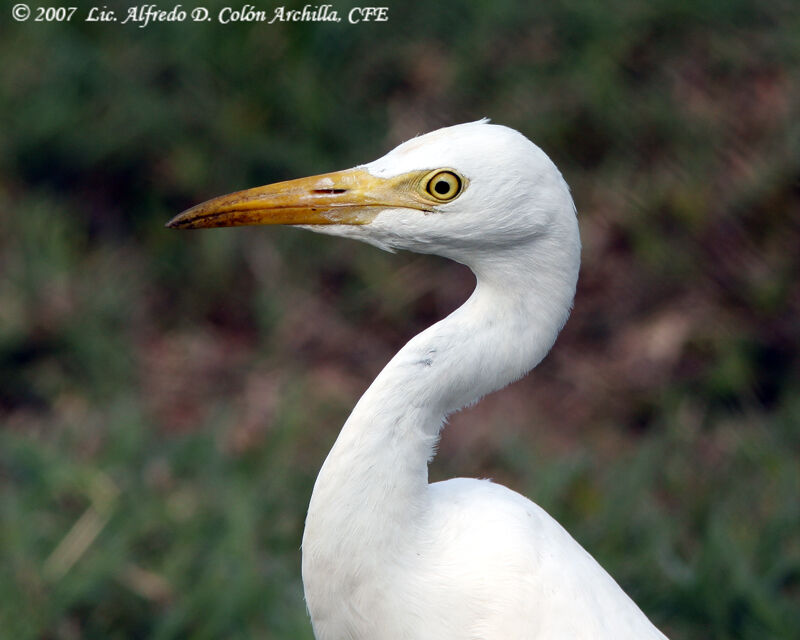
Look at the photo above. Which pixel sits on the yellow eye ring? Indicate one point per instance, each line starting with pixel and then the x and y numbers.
pixel 443 186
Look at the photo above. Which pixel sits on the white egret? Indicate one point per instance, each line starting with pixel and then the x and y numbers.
pixel 386 555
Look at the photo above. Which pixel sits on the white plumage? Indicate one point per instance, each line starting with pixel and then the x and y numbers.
pixel 386 555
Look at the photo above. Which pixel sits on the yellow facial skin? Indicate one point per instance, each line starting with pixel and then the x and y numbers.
pixel 353 196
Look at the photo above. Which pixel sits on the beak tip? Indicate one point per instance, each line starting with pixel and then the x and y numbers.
pixel 178 222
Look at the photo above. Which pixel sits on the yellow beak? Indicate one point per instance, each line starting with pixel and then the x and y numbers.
pixel 343 197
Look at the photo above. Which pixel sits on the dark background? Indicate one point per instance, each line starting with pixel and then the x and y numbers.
pixel 167 398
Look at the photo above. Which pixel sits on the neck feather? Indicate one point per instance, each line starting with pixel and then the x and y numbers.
pixel 374 481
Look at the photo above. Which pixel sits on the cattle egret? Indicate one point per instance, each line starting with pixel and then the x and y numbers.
pixel 386 555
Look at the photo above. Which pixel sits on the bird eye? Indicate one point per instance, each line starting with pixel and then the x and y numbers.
pixel 443 185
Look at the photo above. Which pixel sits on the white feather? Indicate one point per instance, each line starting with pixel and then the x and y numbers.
pixel 387 556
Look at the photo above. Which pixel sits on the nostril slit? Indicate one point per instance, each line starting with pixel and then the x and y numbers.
pixel 334 191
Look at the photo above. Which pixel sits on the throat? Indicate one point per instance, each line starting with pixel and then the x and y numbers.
pixel 374 480
pixel 371 490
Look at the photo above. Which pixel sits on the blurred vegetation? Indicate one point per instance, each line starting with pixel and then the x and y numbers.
pixel 167 398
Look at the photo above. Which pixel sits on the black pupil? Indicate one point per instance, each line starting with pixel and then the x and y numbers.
pixel 442 187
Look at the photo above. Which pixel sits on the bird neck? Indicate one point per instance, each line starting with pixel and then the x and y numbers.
pixel 373 484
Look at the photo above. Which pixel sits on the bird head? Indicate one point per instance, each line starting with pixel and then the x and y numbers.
pixel 460 192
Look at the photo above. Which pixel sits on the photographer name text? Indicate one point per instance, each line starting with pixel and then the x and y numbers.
pixel 148 14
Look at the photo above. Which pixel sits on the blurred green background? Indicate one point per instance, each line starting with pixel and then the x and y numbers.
pixel 166 398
